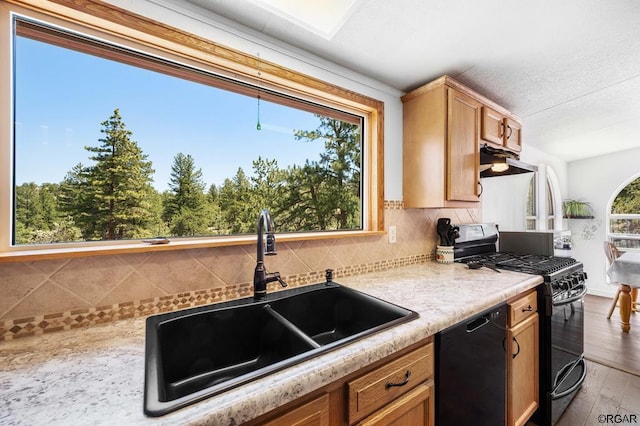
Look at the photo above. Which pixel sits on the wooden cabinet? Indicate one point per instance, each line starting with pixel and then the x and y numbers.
pixel 444 124
pixel 398 390
pixel 441 136
pixel 414 408
pixel 463 153
pixel 522 360
pixel 314 412
pixel 500 130
pixel 374 390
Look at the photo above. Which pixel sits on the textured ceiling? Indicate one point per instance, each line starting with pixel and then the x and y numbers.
pixel 570 68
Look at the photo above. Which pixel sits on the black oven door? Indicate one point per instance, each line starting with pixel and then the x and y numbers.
pixel 568 369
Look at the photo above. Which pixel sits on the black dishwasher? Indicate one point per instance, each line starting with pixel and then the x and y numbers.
pixel 470 370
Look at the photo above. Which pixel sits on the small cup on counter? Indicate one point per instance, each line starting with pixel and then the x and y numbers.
pixel 444 254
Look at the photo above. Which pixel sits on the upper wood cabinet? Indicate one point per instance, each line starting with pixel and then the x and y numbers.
pixel 500 130
pixel 441 135
pixel 463 155
pixel 444 124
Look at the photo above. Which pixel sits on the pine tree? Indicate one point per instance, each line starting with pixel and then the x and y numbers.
pixel 305 205
pixel 29 206
pixel 267 184
pixel 240 212
pixel 76 199
pixel 186 209
pixel 118 185
pixel 341 165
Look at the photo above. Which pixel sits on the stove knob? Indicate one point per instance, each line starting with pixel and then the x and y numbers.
pixel 565 284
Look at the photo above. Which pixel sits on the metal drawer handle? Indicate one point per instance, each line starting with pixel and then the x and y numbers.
pixel 518 351
pixel 404 382
pixel 527 309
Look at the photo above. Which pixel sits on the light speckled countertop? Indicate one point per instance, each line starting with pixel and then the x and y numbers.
pixel 96 375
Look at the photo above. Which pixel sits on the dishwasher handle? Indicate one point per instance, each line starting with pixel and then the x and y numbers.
pixel 477 324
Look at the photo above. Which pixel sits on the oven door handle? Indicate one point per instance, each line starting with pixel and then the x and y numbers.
pixel 572 298
pixel 557 395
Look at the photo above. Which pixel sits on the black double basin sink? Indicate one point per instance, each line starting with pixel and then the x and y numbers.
pixel 193 354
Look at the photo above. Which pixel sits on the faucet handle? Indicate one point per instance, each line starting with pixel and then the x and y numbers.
pixel 281 281
pixel 328 274
pixel 275 276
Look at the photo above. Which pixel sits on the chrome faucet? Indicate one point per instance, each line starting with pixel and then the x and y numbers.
pixel 261 277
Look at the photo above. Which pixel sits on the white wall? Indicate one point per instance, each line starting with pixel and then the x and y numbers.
pixel 504 198
pixel 193 19
pixel 596 180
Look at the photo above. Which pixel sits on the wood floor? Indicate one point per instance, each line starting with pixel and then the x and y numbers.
pixel 604 341
pixel 609 389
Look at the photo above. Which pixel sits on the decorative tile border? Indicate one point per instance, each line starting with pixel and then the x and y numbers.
pixel 393 204
pixel 69 320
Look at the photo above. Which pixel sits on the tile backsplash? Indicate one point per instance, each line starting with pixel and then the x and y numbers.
pixel 44 296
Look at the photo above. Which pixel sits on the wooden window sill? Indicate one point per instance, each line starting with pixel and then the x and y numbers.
pixel 48 252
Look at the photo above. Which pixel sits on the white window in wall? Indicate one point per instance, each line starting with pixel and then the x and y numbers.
pixel 624 216
pixel 542 201
pixel 550 206
pixel 116 144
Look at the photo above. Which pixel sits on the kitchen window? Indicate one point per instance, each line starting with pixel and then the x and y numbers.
pixel 543 212
pixel 120 141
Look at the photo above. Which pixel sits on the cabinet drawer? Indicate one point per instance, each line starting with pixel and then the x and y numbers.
pixel 522 308
pixel 413 408
pixel 372 391
pixel 315 412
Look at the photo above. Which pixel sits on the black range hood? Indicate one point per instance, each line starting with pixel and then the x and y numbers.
pixel 497 162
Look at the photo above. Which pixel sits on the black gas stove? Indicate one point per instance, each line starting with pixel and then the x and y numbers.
pixel 561 274
pixel 560 304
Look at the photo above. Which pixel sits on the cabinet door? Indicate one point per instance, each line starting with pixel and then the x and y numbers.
pixel 522 371
pixel 513 137
pixel 493 127
pixel 415 408
pixel 313 413
pixel 463 155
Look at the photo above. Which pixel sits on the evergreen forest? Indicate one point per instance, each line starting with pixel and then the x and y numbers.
pixel 112 197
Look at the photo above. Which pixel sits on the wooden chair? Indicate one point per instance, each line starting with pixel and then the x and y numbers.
pixel 612 253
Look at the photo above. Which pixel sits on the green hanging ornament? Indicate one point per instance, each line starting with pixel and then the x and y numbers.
pixel 258 126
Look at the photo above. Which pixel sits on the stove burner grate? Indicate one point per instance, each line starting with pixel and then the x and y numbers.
pixel 525 263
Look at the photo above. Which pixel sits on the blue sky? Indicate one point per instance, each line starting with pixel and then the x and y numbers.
pixel 62 96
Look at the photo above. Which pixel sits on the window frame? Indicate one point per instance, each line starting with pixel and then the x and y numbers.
pixel 546 201
pixel 117 26
pixel 610 217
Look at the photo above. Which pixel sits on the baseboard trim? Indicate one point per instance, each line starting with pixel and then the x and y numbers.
pixel 601 293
